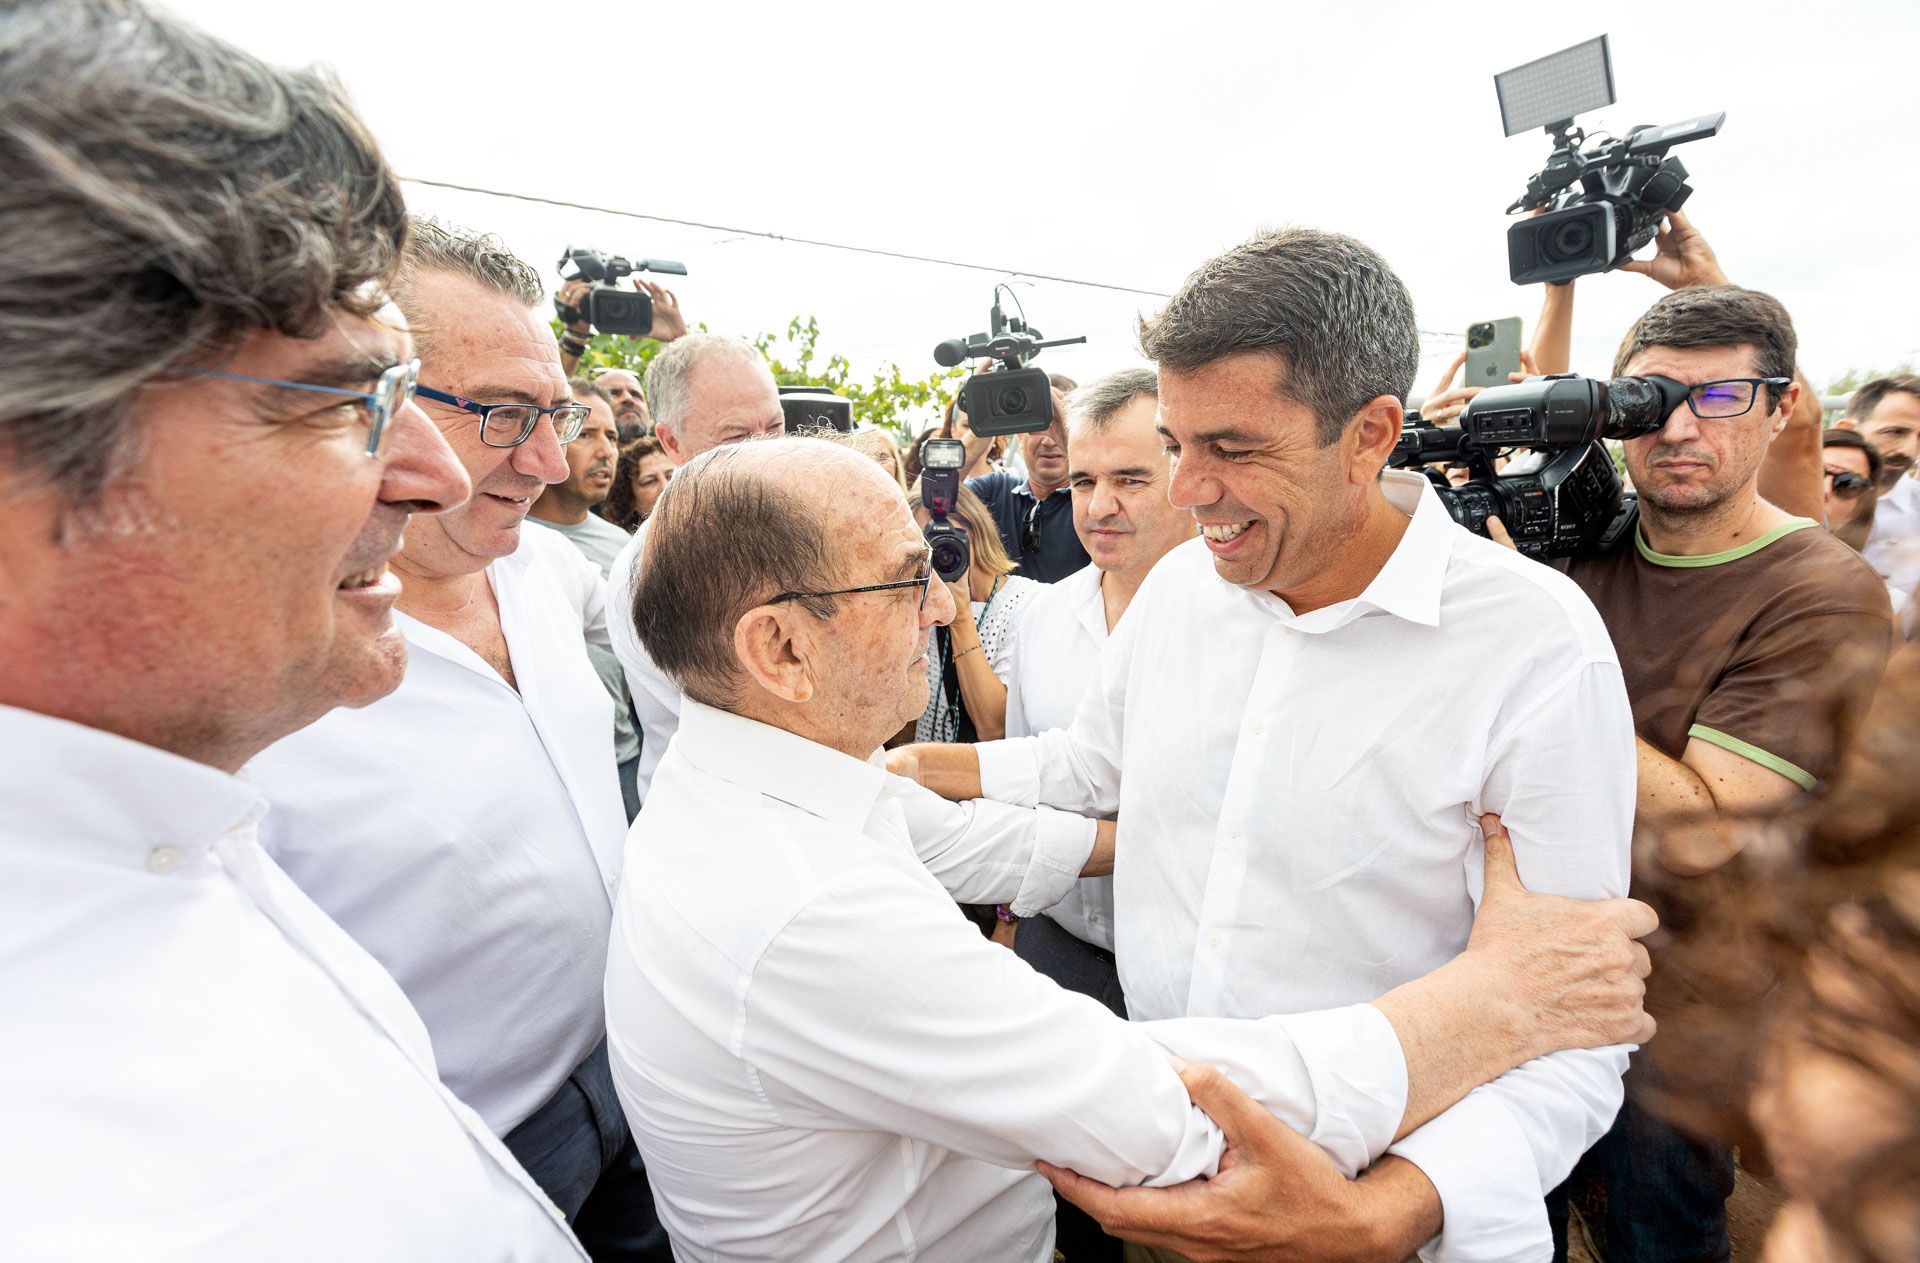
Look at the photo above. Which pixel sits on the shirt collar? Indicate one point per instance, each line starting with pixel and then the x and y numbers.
pixel 1024 487
pixel 1409 585
pixel 1089 604
pixel 820 781
pixel 81 786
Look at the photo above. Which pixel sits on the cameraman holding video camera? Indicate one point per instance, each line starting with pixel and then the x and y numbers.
pixel 1751 641
pixel 570 301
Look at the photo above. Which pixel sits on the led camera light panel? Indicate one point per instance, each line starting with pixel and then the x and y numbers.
pixel 1557 87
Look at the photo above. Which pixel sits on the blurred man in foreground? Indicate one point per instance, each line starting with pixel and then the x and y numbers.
pixel 210 450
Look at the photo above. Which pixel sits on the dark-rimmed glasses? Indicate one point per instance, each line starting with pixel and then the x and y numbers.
pixel 390 393
pixel 1845 483
pixel 923 581
pixel 1730 397
pixel 511 424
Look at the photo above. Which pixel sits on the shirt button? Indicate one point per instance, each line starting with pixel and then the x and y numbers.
pixel 162 859
pixel 1233 831
pixel 1258 727
pixel 1213 940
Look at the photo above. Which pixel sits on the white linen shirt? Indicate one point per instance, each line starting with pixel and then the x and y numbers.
pixel 1297 797
pixel 1893 549
pixel 821 1059
pixel 1054 657
pixel 469 835
pixel 656 698
pixel 195 1064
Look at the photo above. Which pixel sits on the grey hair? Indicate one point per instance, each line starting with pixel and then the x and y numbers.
pixel 162 195
pixel 581 387
pixel 1097 403
pixel 721 540
pixel 1326 306
pixel 477 256
pixel 669 384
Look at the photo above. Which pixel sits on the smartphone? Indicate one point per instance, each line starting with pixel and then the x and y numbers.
pixel 1493 351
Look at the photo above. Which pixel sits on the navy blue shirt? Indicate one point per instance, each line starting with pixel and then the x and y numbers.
pixel 1057 552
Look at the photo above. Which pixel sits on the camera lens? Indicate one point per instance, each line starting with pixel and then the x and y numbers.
pixel 1570 240
pixel 949 557
pixel 1011 401
pixel 1480 335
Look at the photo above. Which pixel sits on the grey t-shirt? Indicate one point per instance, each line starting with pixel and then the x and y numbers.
pixel 600 541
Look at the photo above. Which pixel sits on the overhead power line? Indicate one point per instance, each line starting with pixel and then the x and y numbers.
pixel 812 241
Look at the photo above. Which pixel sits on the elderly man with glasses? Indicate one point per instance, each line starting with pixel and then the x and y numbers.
pixel 467 829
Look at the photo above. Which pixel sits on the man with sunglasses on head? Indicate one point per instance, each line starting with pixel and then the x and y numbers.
pixel 1751 640
pixel 466 830
pixel 1035 515
pixel 210 449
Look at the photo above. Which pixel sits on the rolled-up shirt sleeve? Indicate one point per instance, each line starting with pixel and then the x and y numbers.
pixel 1495 1155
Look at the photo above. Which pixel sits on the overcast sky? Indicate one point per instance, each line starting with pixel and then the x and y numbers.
pixel 1123 143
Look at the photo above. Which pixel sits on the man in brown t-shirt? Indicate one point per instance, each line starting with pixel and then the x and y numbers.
pixel 1750 641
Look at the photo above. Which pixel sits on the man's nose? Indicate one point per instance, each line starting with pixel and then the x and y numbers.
pixel 1187 488
pixel 540 456
pixel 1681 425
pixel 421 472
pixel 938 609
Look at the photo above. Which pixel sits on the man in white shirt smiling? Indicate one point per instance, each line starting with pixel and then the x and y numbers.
pixel 1304 712
pixel 466 829
pixel 210 452
pixel 823 1060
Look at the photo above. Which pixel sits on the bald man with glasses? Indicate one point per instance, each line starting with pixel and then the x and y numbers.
pixel 467 829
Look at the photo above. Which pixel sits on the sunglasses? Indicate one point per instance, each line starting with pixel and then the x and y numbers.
pixel 1846 484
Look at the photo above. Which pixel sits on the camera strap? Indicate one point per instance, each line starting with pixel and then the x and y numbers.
pixel 950 690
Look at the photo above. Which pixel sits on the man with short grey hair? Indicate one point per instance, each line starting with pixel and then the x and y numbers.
pixel 823 1061
pixel 705 390
pixel 467 828
pixel 209 450
pixel 1297 818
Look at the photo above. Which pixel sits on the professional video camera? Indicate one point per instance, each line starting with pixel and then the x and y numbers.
pixel 1008 398
pixel 1564 497
pixel 1598 204
pixel 941 461
pixel 608 308
pixel 813 409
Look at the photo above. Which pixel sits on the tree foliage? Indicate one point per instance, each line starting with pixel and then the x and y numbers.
pixel 890 398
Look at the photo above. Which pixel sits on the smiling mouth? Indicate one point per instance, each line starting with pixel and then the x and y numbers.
pixel 518 502
pixel 1224 532
pixel 365 579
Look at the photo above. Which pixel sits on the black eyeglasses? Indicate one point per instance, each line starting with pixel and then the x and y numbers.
pixel 1846 484
pixel 1030 533
pixel 511 424
pixel 923 581
pixel 1731 397
pixel 390 393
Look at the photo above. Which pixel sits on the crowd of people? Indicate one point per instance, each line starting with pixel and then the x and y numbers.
pixel 460 806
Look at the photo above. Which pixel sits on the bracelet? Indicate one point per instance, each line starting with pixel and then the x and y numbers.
pixel 973 648
pixel 1006 916
pixel 573 347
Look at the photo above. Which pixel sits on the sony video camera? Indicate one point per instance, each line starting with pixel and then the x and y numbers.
pixel 1009 397
pixel 1564 497
pixel 1600 203
pixel 610 309
pixel 941 461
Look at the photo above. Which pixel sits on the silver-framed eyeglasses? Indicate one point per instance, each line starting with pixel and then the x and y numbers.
pixel 511 424
pixel 391 392
pixel 1731 397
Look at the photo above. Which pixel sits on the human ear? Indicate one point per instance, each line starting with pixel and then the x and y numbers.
pixel 1372 433
pixel 772 650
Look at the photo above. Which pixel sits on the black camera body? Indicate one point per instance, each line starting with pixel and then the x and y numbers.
pixel 941 461
pixel 1564 497
pixel 1009 397
pixel 608 308
pixel 814 409
pixel 1600 204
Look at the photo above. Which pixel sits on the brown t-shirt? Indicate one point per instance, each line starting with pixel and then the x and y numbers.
pixel 1771 650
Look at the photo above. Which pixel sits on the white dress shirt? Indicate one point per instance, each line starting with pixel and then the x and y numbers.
pixel 1053 657
pixel 1893 549
pixel 656 698
pixel 195 1063
pixel 821 1059
pixel 469 835
pixel 1298 794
